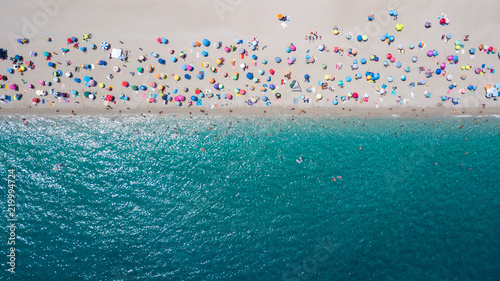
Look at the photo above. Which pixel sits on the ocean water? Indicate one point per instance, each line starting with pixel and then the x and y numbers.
pixel 224 198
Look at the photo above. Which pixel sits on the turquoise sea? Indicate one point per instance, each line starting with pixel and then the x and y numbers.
pixel 224 198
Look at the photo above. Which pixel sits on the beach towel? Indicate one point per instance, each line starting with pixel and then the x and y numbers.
pixel 199 102
pixel 295 101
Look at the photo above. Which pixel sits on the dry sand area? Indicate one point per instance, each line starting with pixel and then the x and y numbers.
pixel 134 26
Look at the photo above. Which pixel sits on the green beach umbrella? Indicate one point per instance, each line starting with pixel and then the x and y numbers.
pixel 255 80
pixel 324 66
pixel 319 96
pixel 135 88
pixel 140 69
pixel 235 77
pixel 365 37
pixel 86 94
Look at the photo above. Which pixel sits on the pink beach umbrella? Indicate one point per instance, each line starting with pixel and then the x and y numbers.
pixel 30 86
pixel 293 48
pixel 170 51
pixel 430 53
pixel 42 82
pixel 443 65
pixel 189 67
pixel 392 59
pixel 13 86
pixel 91 83
pixel 182 98
pixel 290 61
pixel 176 98
pixel 227 49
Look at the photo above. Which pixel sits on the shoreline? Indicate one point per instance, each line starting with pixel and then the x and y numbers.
pixel 271 112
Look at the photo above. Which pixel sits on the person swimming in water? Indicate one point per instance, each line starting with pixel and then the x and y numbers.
pixel 300 160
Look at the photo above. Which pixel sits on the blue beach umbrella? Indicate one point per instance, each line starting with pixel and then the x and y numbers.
pixel 335 102
pixel 249 75
pixel 254 57
pixel 390 79
pixel 363 61
pixel 77 80
pixel 86 78
pixel 164 40
pixel 187 76
pixel 407 69
pixel 205 42
pixel 204 53
pixel 348 79
pixel 184 67
pixel 173 59
pixel 288 50
pixel 194 98
pixel 359 38
pixel 277 59
pixel 398 64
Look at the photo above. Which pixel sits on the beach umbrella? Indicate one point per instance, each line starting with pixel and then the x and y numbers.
pixel 140 69
pixel 449 77
pixel 91 83
pixel 355 95
pixel 414 59
pixel 400 46
pixel 143 88
pixel 173 59
pixel 184 67
pixel 101 85
pixel 204 53
pixel 46 54
pixel 249 75
pixel 177 77
pixel 398 64
pixel 189 67
pixel 359 38
pixel 205 42
pixel 152 84
pixel 187 76
pixel 391 38
pixel 363 61
pixel 164 40
pixel 364 37
pixel 125 84
pixel 199 76
pixel 254 57
pixel 105 45
pixel 292 47
pixel 116 68
pixel 77 80
pixel 390 79
pixel 403 78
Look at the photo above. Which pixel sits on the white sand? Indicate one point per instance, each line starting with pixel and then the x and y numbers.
pixel 138 24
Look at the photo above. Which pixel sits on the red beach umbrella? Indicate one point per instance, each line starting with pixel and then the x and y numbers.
pixel 355 95
pixel 158 40
pixel 125 84
pixel 197 91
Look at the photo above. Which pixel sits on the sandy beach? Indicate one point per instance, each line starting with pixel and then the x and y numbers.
pixel 134 27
